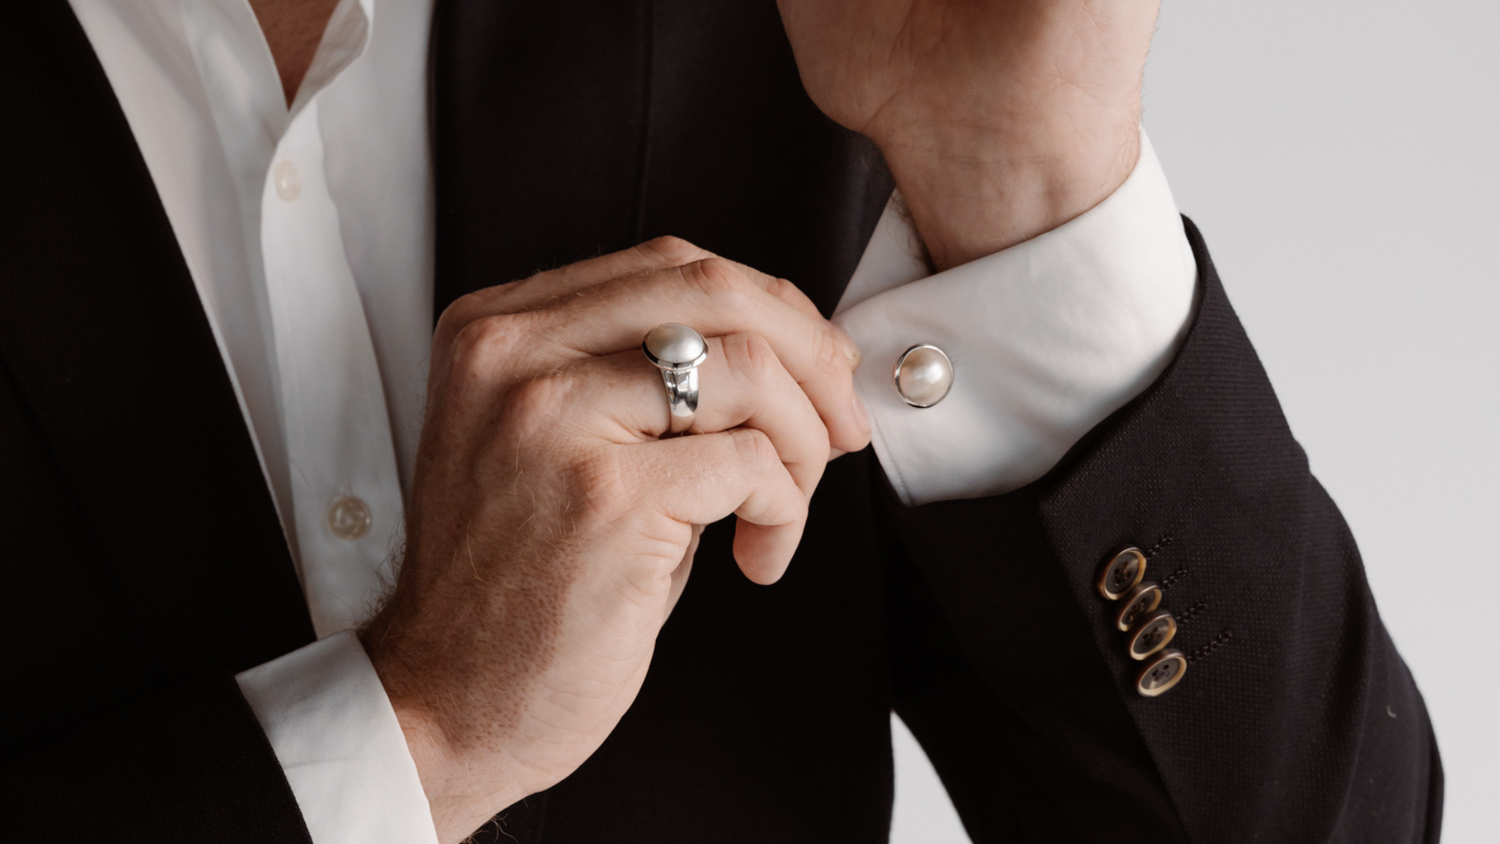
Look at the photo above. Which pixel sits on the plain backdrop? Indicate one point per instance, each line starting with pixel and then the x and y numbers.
pixel 1343 162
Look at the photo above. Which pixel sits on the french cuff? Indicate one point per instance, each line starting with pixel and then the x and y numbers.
pixel 334 731
pixel 1046 338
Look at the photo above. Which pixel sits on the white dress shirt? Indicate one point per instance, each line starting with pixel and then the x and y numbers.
pixel 1047 338
pixel 308 233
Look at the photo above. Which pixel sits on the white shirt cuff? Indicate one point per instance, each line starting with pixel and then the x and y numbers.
pixel 334 731
pixel 1047 338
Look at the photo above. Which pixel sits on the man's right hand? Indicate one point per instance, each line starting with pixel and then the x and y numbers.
pixel 550 530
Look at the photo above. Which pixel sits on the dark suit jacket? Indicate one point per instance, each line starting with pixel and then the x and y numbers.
pixel 141 562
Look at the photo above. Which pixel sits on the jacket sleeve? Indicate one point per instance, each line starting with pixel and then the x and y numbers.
pixel 188 764
pixel 1294 720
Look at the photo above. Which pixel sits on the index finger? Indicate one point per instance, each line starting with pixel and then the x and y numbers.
pixel 549 287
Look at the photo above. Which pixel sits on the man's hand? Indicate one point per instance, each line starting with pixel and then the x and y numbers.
pixel 1000 119
pixel 550 530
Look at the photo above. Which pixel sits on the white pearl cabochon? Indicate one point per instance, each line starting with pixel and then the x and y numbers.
pixel 675 343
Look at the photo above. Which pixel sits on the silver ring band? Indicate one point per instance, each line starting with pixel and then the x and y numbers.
pixel 677 351
pixel 682 398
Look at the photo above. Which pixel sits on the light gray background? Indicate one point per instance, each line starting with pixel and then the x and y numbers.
pixel 1341 160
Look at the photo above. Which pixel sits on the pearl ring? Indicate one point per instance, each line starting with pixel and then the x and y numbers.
pixel 677 351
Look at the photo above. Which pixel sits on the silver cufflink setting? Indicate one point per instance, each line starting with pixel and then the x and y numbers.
pixel 924 375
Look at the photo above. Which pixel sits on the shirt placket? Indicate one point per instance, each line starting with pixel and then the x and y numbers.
pixel 346 491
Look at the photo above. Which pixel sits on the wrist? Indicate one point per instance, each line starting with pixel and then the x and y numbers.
pixel 459 802
pixel 973 190
pixel 463 790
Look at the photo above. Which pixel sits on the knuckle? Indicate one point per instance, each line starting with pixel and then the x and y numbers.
pixel 829 353
pixel 480 343
pixel 670 249
pixel 478 306
pixel 657 543
pixel 455 317
pixel 750 355
pixel 720 281
pixel 754 449
pixel 540 397
pixel 784 290
pixel 527 291
pixel 599 485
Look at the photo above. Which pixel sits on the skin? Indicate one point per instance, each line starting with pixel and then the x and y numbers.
pixel 293 29
pixel 1000 119
pixel 550 530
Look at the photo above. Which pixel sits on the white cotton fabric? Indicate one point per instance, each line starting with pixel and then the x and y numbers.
pixel 342 754
pixel 1047 338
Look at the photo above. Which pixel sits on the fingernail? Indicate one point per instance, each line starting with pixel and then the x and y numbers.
pixel 861 414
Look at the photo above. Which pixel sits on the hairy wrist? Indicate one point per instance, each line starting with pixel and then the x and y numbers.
pixel 459 801
pixel 974 189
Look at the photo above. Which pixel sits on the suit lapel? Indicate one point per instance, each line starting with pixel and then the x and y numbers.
pixel 102 329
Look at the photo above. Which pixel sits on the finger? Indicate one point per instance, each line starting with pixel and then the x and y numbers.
pixel 792 295
pixel 701 479
pixel 742 384
pixel 778 287
pixel 655 254
pixel 552 286
pixel 716 298
pixel 680 574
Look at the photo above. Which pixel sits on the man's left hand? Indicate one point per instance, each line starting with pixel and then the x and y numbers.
pixel 1000 119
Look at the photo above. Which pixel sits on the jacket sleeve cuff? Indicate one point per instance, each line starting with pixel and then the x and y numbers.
pixel 1047 338
pixel 337 738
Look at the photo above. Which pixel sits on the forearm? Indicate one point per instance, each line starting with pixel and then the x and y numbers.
pixel 989 159
pixel 972 191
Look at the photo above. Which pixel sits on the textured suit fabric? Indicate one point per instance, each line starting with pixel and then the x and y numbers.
pixel 141 562
pixel 1296 719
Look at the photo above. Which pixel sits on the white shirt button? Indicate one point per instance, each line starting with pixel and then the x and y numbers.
pixel 349 518
pixel 924 375
pixel 288 180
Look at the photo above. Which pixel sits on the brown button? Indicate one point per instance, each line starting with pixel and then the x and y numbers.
pixel 1152 634
pixel 1162 673
pixel 1122 571
pixel 1136 604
